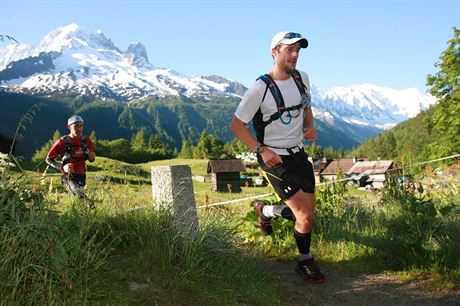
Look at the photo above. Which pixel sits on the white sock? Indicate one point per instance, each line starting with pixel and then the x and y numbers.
pixel 268 211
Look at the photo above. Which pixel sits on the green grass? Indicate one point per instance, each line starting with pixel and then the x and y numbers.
pixel 207 269
pixel 400 230
pixel 59 251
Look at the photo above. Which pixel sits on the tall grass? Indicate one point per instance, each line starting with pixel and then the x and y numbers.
pixel 409 229
pixel 57 250
pixel 201 269
pixel 47 258
pixel 421 230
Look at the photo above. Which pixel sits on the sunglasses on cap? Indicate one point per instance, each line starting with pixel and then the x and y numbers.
pixel 291 35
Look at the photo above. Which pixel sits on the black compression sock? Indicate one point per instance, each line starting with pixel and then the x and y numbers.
pixel 303 242
pixel 283 211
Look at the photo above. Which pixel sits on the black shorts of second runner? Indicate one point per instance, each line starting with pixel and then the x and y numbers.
pixel 75 182
pixel 293 174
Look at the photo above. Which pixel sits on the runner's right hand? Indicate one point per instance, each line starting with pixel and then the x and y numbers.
pixel 68 168
pixel 270 158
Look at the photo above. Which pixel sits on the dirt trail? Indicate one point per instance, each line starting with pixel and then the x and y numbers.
pixel 358 289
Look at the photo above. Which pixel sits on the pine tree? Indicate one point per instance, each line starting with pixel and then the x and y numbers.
pixel 126 119
pixel 386 148
pixel 236 147
pixel 186 150
pixel 209 146
pixel 316 151
pixel 41 154
pixel 155 142
pixel 139 141
pixel 93 136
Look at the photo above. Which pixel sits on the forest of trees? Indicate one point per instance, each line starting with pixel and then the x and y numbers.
pixel 143 148
pixel 137 150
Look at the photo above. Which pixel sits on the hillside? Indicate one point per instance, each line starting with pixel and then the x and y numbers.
pixel 415 140
pixel 173 119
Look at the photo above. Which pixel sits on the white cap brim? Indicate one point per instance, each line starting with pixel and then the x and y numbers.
pixel 290 41
pixel 74 119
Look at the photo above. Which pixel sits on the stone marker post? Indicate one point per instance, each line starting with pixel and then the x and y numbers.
pixel 172 189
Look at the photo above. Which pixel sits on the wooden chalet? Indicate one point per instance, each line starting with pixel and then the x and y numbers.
pixel 371 172
pixel 336 166
pixel 225 174
pixel 318 166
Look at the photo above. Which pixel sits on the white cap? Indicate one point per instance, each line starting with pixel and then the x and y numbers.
pixel 288 38
pixel 74 119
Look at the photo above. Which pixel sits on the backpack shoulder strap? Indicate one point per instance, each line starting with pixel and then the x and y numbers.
pixel 68 149
pixel 67 142
pixel 304 94
pixel 84 146
pixel 273 89
pixel 266 81
pixel 298 81
pixel 84 143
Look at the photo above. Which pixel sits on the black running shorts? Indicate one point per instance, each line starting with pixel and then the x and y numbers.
pixel 293 174
pixel 74 182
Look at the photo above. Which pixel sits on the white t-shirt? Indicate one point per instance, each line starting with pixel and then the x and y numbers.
pixel 277 134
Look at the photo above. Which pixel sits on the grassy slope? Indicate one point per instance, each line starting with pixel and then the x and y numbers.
pixel 125 186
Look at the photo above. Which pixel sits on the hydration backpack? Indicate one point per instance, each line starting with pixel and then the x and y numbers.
pixel 258 123
pixel 69 146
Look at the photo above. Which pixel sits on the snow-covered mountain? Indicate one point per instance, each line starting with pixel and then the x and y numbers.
pixel 370 105
pixel 73 61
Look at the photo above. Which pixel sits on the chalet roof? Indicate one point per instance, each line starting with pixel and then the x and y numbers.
pixel 344 164
pixel 371 167
pixel 225 165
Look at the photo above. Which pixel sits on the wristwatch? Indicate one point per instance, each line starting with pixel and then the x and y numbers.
pixel 260 149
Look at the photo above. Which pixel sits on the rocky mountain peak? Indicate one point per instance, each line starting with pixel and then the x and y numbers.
pixel 137 54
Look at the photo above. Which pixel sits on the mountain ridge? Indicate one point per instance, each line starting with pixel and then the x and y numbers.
pixel 87 63
pixel 77 63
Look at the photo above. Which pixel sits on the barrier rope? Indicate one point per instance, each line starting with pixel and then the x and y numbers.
pixel 236 200
pixel 320 184
pixel 438 159
pixel 263 195
pixel 270 194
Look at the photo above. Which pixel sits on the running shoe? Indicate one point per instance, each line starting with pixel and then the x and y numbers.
pixel 265 223
pixel 309 271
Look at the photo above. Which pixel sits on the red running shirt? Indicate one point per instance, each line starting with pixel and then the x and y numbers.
pixel 77 155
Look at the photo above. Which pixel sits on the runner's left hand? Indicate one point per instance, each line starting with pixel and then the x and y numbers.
pixel 309 134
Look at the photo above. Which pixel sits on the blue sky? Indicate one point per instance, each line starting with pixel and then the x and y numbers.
pixel 387 43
